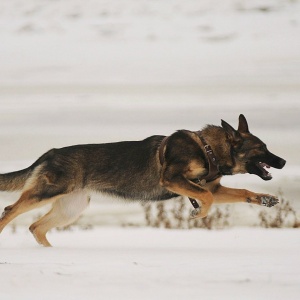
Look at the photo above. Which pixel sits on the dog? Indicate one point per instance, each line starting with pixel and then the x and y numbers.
pixel 186 163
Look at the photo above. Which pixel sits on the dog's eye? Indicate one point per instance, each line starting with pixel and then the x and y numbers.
pixel 257 148
pixel 262 148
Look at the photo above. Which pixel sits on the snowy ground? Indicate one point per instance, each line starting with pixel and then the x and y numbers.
pixel 151 264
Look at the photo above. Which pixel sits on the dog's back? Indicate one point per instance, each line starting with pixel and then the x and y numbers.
pixel 129 170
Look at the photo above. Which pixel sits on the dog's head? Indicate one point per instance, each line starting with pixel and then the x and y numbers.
pixel 249 152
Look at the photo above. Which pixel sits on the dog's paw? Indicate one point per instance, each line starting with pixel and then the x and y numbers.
pixel 195 213
pixel 268 200
pixel 198 213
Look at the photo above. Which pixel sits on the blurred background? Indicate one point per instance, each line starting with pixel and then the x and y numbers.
pixel 74 72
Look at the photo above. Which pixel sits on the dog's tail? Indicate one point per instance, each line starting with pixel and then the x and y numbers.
pixel 14 181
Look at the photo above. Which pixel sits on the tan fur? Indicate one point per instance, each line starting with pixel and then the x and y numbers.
pixel 194 169
pixel 25 203
pixel 65 211
pixel 194 191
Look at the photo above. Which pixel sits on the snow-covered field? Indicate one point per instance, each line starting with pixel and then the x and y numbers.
pixel 99 71
pixel 111 263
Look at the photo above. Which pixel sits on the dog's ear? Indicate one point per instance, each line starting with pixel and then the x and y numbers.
pixel 233 135
pixel 243 125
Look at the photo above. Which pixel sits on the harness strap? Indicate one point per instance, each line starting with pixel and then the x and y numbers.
pixel 213 167
pixel 161 150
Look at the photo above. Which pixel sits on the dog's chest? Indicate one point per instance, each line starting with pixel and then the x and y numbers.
pixel 195 169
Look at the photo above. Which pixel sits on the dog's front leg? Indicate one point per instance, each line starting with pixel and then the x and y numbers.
pixel 182 186
pixel 224 194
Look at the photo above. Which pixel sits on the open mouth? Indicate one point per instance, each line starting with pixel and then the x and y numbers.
pixel 263 167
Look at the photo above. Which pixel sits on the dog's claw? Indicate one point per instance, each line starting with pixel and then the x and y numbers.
pixel 269 201
pixel 195 212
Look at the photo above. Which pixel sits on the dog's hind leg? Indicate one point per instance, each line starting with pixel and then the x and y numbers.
pixel 26 202
pixel 65 211
pixel 42 187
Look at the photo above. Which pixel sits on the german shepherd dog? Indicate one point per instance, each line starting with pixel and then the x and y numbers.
pixel 133 170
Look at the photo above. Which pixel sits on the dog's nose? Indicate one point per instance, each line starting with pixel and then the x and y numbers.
pixel 282 163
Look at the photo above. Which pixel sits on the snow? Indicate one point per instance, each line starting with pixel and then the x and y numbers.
pixel 149 42
pixel 124 263
pixel 75 72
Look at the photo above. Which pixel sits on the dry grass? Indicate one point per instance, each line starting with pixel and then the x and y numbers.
pixel 176 215
pixel 283 216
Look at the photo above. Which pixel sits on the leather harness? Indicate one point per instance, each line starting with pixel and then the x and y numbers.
pixel 213 167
